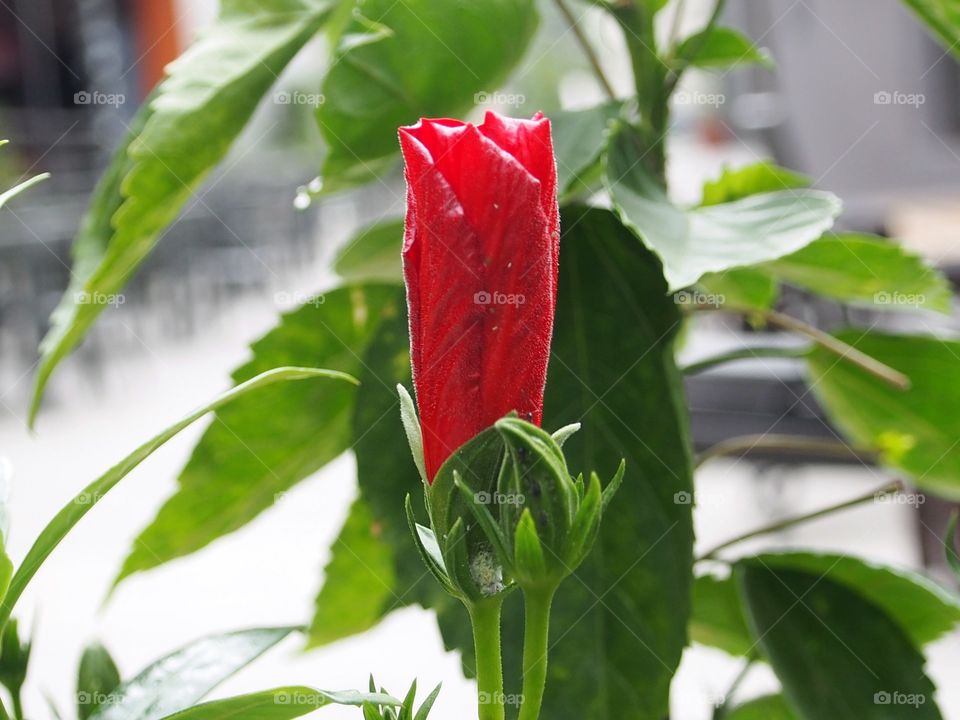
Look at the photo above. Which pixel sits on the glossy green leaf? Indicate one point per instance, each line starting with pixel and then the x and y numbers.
pixel 184 677
pixel 924 610
pixel 720 47
pixel 192 118
pixel 619 625
pixel 742 182
pixel 767 707
pixel 422 58
pixel 249 455
pixel 718 618
pixel 97 677
pixel 579 138
pixel 865 269
pixel 836 654
pixel 711 238
pixel 358 583
pixel 81 504
pixel 914 430
pixel 278 704
pixel 373 255
pixel 943 18
pixel 741 287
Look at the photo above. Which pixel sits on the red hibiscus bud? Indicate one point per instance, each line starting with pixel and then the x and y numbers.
pixel 480 254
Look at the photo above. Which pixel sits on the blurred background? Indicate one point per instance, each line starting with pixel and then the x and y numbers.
pixel 862 100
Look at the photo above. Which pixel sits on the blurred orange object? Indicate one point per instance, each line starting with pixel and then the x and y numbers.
pixel 158 41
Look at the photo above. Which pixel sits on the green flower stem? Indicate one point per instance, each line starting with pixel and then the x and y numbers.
pixel 485 617
pixel 537 604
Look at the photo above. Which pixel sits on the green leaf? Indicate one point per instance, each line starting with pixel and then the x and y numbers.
pixel 411 427
pixel 374 254
pixel 865 269
pixel 97 677
pixel 836 654
pixel 359 581
pixel 711 238
pixel 258 449
pixel 768 707
pixel 619 625
pixel 180 679
pixel 741 287
pixel 8 195
pixel 924 610
pixel 579 138
pixel 720 47
pixel 425 59
pixel 742 182
pixel 278 704
pixel 718 617
pixel 80 505
pixel 943 18
pixel 914 430
pixel 192 119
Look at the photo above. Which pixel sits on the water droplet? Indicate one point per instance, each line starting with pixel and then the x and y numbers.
pixel 315 186
pixel 302 200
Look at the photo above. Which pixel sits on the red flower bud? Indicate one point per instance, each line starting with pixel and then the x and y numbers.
pixel 480 253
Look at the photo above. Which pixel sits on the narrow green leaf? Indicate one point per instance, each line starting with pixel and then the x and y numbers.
pixel 208 96
pixel 80 505
pixel 358 583
pixel 411 426
pixel 373 255
pixel 768 707
pixel 950 544
pixel 564 433
pixel 182 678
pixel 914 430
pixel 711 238
pixel 427 705
pixel 836 654
pixel 425 59
pixel 8 195
pixel 943 18
pixel 278 704
pixel 528 550
pixel 720 47
pixel 247 458
pixel 718 616
pixel 97 677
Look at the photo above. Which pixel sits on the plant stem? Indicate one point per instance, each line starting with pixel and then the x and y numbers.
pixel 536 634
pixel 586 47
pixel 828 342
pixel 721 712
pixel 485 618
pixel 887 489
pixel 674 78
pixel 743 354
pixel 791 443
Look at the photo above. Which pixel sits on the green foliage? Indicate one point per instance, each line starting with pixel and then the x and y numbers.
pixel 711 238
pixel 579 139
pixel 768 707
pixel 279 704
pixel 184 677
pixel 721 47
pixel 943 17
pixel 248 457
pixel 914 430
pixel 373 255
pixel 183 131
pixel 399 61
pixel 97 677
pixel 718 618
pixel 836 654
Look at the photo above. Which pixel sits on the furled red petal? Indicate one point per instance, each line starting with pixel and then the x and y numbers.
pixel 480 252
